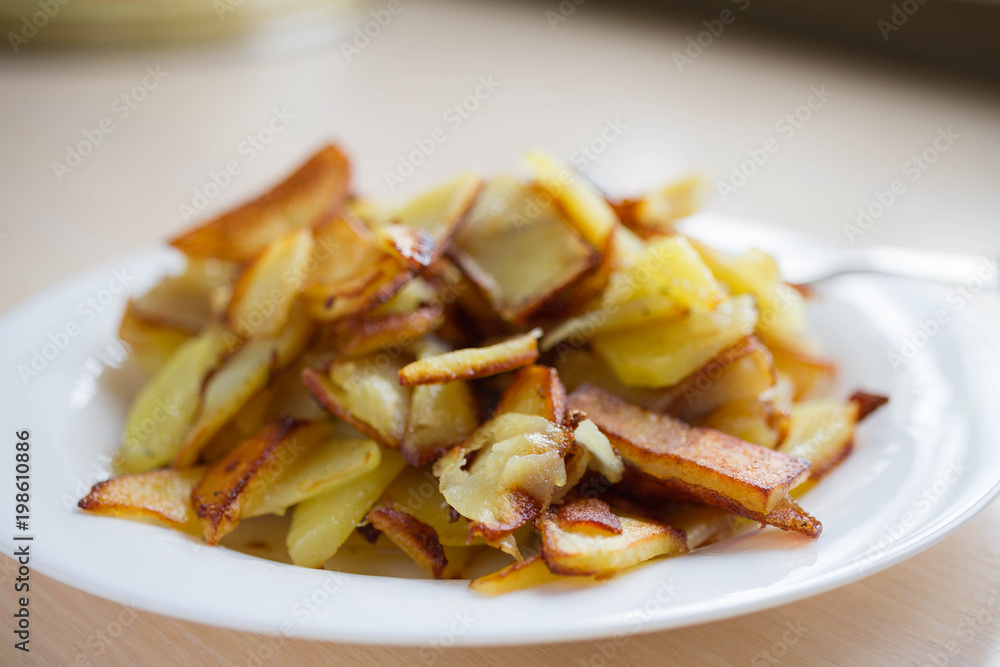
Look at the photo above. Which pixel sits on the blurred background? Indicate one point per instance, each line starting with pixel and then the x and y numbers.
pixel 119 117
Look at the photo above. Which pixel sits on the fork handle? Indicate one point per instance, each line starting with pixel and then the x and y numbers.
pixel 974 272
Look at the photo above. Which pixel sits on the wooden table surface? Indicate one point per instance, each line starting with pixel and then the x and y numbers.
pixel 941 607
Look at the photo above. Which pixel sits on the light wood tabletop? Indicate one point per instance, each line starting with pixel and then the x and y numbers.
pixel 552 89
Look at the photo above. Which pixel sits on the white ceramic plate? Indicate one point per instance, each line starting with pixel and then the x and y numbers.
pixel 922 466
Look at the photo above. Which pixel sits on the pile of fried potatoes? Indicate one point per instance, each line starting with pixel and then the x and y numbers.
pixel 518 364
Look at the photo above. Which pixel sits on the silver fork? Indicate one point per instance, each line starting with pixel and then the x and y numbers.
pixel 804 260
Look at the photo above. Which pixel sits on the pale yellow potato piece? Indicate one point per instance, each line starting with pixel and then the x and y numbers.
pixel 822 432
pixel 322 524
pixel 603 457
pixel 581 553
pixel 238 380
pixel 748 419
pixel 265 292
pixel 588 212
pixel 519 575
pixel 163 410
pixel 661 354
pixel 473 362
pixel 322 467
pixel 656 212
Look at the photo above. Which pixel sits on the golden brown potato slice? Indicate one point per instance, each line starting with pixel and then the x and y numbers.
pixel 741 371
pixel 317 188
pixel 519 575
pixel 239 379
pixel 670 266
pixel 510 222
pixel 867 403
pixel 584 207
pixel 242 477
pixel 435 216
pixel 573 552
pixel 161 414
pixel 357 336
pixel 365 393
pixel 441 416
pixel 349 271
pixel 266 290
pixel 590 516
pixel 661 354
pixel 668 449
pixel 191 299
pixel 535 390
pixel 162 495
pixel 656 212
pixel 609 316
pixel 417 539
pixel 581 366
pixel 506 473
pixel 473 362
pixel 649 491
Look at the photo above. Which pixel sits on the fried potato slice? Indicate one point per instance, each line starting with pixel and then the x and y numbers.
pixel 809 374
pixel 350 271
pixel 583 553
pixel 365 393
pixel 240 478
pixel 584 207
pixel 822 432
pixel 416 492
pixel 749 419
pixel 510 221
pixel 786 514
pixel 162 412
pixel 441 416
pixel 867 403
pixel 162 495
pixel 535 390
pixel 238 380
pixel 321 525
pixel 323 464
pixel 671 266
pixel 782 320
pixel 720 465
pixel 417 540
pixel 656 212
pixel 661 354
pixel 591 516
pixel 189 300
pixel 318 187
pixel 358 336
pixel 506 473
pixel 581 366
pixel 437 214
pixel 266 290
pixel 741 371
pixel 516 576
pixel 473 362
